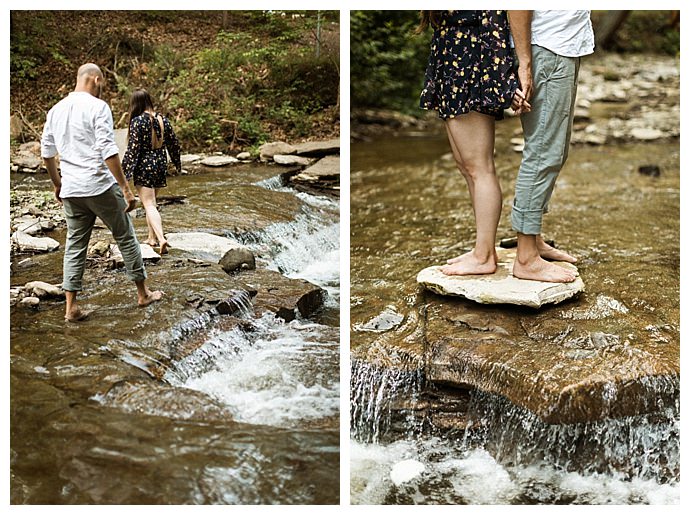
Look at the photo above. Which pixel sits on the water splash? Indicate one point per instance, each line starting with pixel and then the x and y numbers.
pixel 278 374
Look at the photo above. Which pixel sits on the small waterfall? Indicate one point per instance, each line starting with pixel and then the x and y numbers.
pixel 277 374
pixel 375 400
pixel 274 183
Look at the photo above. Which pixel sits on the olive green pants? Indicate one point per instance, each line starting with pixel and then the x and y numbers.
pixel 547 130
pixel 81 213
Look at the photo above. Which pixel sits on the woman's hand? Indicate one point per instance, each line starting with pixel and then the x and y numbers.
pixel 520 104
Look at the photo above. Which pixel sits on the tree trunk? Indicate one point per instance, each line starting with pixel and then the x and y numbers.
pixel 608 26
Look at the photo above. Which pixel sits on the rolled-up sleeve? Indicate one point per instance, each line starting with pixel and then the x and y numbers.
pixel 105 135
pixel 48 147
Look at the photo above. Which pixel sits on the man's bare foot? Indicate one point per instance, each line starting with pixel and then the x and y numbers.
pixel 470 264
pixel 76 315
pixel 164 247
pixel 151 296
pixel 540 270
pixel 546 251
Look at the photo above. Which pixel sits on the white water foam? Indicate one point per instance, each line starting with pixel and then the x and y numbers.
pixel 453 475
pixel 280 375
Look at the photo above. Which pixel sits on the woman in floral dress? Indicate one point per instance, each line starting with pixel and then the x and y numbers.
pixel 470 79
pixel 150 134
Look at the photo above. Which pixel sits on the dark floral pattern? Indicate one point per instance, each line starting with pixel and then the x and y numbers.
pixel 147 165
pixel 471 65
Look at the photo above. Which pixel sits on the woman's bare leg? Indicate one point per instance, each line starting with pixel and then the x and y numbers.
pixel 153 217
pixel 472 142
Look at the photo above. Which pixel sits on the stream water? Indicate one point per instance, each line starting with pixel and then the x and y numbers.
pixel 410 209
pixel 169 406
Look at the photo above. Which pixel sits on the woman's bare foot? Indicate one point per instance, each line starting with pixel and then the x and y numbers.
pixel 152 243
pixel 546 251
pixel 150 297
pixel 470 264
pixel 540 270
pixel 76 315
pixel 454 260
pixel 164 247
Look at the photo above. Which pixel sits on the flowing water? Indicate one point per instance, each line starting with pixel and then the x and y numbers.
pixel 417 442
pixel 173 405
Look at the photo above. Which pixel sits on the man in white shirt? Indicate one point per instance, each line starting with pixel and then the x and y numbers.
pixel 80 129
pixel 548 45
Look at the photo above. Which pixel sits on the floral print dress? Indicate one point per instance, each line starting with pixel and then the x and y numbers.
pixel 146 164
pixel 471 65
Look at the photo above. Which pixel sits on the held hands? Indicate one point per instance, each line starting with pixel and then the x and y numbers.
pixel 520 104
pixel 524 93
pixel 130 199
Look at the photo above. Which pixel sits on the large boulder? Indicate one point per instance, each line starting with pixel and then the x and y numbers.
pixel 27 243
pixel 318 148
pixel 268 150
pixel 501 287
pixel 240 258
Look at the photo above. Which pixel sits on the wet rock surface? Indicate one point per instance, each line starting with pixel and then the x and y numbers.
pixel 501 287
pixel 612 351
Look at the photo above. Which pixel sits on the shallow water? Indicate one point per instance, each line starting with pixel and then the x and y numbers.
pixel 410 209
pixel 166 406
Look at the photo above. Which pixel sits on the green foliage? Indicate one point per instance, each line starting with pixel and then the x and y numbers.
pixel 648 31
pixel 387 61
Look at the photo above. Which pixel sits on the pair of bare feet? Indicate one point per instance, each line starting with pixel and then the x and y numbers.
pixel 144 297
pixel 534 266
pixel 162 248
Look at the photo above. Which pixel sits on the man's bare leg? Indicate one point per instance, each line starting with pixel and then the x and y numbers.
pixel 530 265
pixel 72 312
pixel 146 296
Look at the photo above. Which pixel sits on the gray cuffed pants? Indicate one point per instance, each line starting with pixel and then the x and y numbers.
pixel 547 130
pixel 81 213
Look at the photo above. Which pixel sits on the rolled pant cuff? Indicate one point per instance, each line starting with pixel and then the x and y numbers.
pixel 526 222
pixel 137 275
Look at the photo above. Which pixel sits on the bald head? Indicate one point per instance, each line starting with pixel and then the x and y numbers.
pixel 90 79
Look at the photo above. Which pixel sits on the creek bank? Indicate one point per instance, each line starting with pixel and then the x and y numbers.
pixel 638 102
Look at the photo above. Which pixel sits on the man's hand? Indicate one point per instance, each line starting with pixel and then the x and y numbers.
pixel 130 199
pixel 520 104
pixel 57 189
pixel 525 77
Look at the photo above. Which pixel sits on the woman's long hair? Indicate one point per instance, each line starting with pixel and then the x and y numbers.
pixel 427 18
pixel 140 102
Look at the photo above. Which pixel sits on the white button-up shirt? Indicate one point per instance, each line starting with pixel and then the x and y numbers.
pixel 566 33
pixel 80 128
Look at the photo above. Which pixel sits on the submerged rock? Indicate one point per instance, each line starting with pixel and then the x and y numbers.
pixel 651 170
pixel 279 294
pixel 501 287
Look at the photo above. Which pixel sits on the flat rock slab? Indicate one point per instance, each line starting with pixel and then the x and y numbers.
pixel 318 148
pixel 28 243
pixel 501 287
pixel 326 168
pixel 147 254
pixel 209 247
pixel 217 161
pixel 291 160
